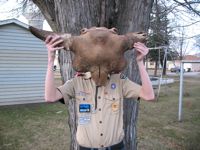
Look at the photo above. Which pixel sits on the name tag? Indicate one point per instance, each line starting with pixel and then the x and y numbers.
pixel 84 120
pixel 84 108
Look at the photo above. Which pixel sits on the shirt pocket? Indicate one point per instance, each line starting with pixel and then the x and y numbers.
pixel 113 103
pixel 87 98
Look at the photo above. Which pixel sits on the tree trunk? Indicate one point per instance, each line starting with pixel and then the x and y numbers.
pixel 73 15
pixel 164 67
pixel 156 68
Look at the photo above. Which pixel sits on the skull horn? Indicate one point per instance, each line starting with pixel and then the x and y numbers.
pixel 135 37
pixel 42 34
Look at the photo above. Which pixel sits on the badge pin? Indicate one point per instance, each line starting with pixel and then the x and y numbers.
pixel 123 76
pixel 113 86
pixel 115 106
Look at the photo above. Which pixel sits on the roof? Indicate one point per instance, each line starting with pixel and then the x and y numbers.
pixel 15 21
pixel 191 57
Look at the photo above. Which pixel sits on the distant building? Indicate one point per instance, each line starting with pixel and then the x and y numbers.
pixel 194 66
pixel 198 54
pixel 176 63
pixel 187 66
pixel 23 63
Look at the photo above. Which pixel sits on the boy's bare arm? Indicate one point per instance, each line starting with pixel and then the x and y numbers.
pixel 147 92
pixel 52 94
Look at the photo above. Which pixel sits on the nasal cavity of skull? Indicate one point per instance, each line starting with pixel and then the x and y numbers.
pixel 101 39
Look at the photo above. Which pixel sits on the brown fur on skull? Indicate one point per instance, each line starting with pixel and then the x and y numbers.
pixel 97 50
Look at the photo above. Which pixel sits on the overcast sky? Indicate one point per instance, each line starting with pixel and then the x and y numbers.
pixel 7 5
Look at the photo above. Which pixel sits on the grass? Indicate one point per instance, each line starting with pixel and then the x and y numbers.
pixel 44 126
pixel 35 127
pixel 158 128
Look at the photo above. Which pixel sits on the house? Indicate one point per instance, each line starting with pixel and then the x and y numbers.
pixel 187 66
pixel 23 63
pixel 194 66
pixel 176 63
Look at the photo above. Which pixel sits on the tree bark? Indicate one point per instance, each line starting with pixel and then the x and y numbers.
pixel 73 15
pixel 164 65
pixel 156 68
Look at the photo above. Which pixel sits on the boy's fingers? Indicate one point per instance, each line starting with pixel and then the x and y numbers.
pixel 54 39
pixel 58 48
pixel 48 39
pixel 139 48
pixel 139 44
pixel 143 49
pixel 57 42
pixel 142 52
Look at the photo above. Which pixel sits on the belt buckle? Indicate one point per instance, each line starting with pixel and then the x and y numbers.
pixel 103 148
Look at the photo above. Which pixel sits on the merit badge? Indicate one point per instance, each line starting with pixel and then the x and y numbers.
pixel 115 106
pixel 113 86
pixel 85 119
pixel 84 108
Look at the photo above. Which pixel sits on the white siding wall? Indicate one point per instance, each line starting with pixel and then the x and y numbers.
pixel 23 62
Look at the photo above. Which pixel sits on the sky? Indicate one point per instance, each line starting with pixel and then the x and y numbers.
pixel 7 5
pixel 185 19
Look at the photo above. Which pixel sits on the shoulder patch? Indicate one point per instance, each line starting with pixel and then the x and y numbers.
pixel 123 76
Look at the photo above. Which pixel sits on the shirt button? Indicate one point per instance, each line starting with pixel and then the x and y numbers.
pixel 101 134
pixel 100 121
pixel 102 145
pixel 99 109
pixel 99 97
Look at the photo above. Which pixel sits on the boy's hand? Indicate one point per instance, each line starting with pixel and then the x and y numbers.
pixel 53 44
pixel 142 51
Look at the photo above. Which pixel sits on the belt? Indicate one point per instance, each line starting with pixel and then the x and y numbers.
pixel 118 146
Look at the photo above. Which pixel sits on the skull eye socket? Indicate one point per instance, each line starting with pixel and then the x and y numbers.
pixel 83 31
pixel 114 30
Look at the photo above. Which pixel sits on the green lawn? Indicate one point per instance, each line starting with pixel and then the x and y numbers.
pixel 44 126
pixel 158 128
pixel 34 127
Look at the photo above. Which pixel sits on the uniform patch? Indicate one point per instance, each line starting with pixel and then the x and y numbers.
pixel 84 108
pixel 113 86
pixel 123 76
pixel 115 106
pixel 85 119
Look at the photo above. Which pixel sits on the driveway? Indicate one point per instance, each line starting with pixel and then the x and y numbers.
pixel 186 74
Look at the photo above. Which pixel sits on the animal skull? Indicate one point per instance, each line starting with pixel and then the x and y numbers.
pixel 97 50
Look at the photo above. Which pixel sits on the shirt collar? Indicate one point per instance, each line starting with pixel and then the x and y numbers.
pixel 88 75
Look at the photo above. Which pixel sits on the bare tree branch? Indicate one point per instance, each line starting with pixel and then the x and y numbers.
pixel 188 5
pixel 49 13
pixel 187 24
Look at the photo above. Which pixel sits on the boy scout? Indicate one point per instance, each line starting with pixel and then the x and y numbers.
pixel 99 108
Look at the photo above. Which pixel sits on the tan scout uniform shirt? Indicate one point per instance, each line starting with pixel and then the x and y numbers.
pixel 103 126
